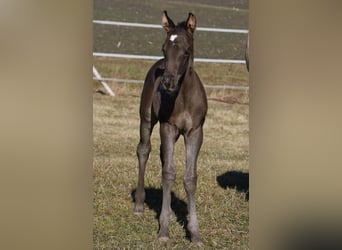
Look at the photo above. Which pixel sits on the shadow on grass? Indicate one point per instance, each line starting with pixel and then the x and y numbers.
pixel 235 179
pixel 153 200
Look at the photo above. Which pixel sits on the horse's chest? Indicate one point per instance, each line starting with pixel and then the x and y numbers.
pixel 182 120
pixel 176 112
pixel 176 116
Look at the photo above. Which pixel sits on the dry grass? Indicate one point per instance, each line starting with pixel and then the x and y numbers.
pixel 210 74
pixel 222 178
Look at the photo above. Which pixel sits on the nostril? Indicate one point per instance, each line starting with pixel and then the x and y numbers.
pixel 165 83
pixel 169 82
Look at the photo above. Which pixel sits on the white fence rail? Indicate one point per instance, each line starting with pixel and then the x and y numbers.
pixel 105 85
pixel 159 26
pixel 233 87
pixel 146 57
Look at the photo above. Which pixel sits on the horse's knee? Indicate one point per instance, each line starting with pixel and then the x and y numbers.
pixel 169 174
pixel 188 179
pixel 143 149
pixel 190 183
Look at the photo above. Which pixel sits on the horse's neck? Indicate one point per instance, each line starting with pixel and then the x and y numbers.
pixel 189 75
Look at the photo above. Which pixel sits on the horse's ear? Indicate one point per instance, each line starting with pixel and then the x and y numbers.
pixel 191 23
pixel 167 22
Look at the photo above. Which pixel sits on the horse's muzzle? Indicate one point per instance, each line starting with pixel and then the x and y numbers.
pixel 169 83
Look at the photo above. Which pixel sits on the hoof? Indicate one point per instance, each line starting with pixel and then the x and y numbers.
pixel 138 213
pixel 197 240
pixel 138 209
pixel 199 244
pixel 163 239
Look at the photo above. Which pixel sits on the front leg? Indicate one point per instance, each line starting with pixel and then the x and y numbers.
pixel 168 136
pixel 143 152
pixel 193 143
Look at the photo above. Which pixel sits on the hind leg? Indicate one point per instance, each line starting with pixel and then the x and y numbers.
pixel 143 152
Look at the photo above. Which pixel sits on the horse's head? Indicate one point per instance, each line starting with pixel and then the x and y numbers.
pixel 178 51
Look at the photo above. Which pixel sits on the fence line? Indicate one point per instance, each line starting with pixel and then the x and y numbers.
pixel 232 87
pixel 145 57
pixel 158 26
pixel 117 80
pixel 105 85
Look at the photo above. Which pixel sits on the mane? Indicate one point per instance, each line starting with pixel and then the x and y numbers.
pixel 181 24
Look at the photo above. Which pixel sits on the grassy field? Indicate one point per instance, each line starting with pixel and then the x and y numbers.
pixel 223 165
pixel 222 179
